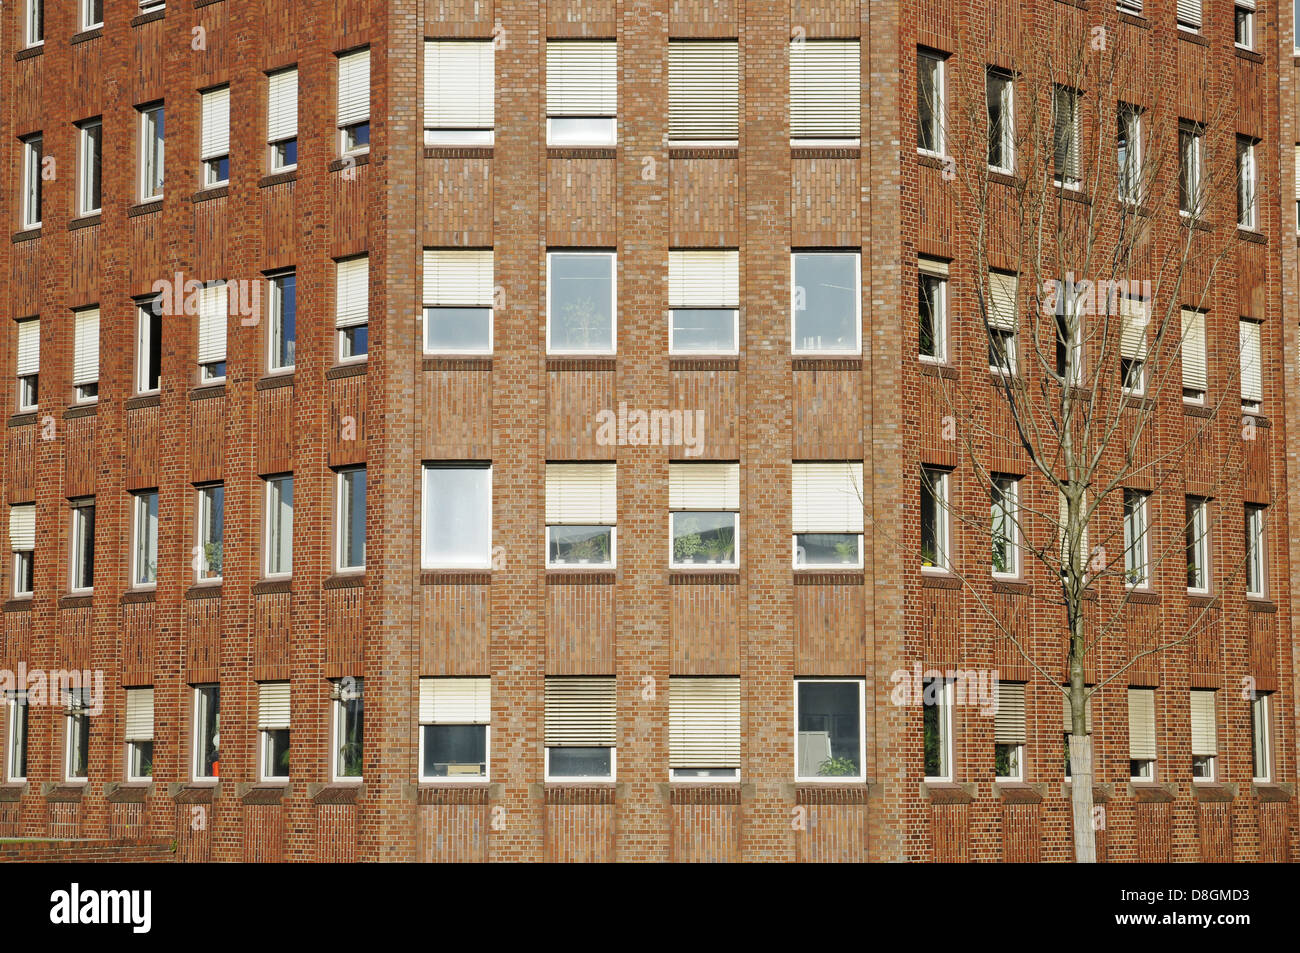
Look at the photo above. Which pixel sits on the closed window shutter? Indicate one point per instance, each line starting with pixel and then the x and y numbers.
pixel 22 528
pixel 580 713
pixel 216 123
pixel 1194 372
pixel 826 497
pixel 1083 536
pixel 1133 321
pixel 1142 724
pixel 582 494
pixel 1204 738
pixel 1068 718
pixel 139 714
pixel 704 279
pixel 704 722
pixel 704 486
pixel 459 85
pixel 703 90
pixel 352 292
pixel 354 87
pixel 455 701
pixel 1002 300
pixel 581 78
pixel 85 347
pixel 1189 13
pixel 1009 722
pixel 272 706
pixel 212 324
pixel 282 106
pixel 454 277
pixel 29 348
pixel 825 89
pixel 1252 387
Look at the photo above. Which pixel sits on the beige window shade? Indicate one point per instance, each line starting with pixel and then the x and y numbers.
pixel 704 722
pixel 580 713
pixel 215 134
pixel 354 87
pixel 1067 719
pixel 825 89
pixel 85 346
pixel 1063 517
pixel 1142 724
pixel 139 714
pixel 704 279
pixel 932 266
pixel 273 706
pixel 458 277
pixel 352 292
pixel 581 78
pixel 826 497
pixel 459 84
pixel 703 90
pixel 582 494
pixel 1002 300
pixel 455 701
pixel 704 486
pixel 282 105
pixel 213 314
pixel 1204 737
pixel 1134 317
pixel 1193 351
pixel 1009 722
pixel 22 527
pixel 1189 12
pixel 1252 385
pixel 28 360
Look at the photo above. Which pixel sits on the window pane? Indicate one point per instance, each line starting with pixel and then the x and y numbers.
pixel 458 516
pixel 352 552
pixel 935 723
pixel 930 316
pixel 704 538
pixel 212 506
pixel 580 545
pixel 279 532
pixel 580 311
pixel 711 330
pixel 823 549
pixel 146 529
pixel 207 729
pixel 276 753
pixel 456 751
pixel 829 730
pixel 580 762
pixel 826 302
pixel 457 329
pixel 284 320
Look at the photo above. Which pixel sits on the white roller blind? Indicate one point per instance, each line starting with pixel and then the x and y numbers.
pixel 29 348
pixel 456 277
pixel 704 722
pixel 704 279
pixel 1142 723
pixel 826 497
pixel 1002 300
pixel 932 266
pixel 85 347
pixel 354 87
pixel 704 486
pixel 1009 722
pixel 1204 738
pixel 22 528
pixel 581 78
pixel 1193 350
pixel 1133 320
pixel 1189 12
pixel 455 701
pixel 1252 387
pixel 580 713
pixel 459 85
pixel 139 714
pixel 216 123
pixel 825 89
pixel 703 90
pixel 351 292
pixel 212 324
pixel 272 706
pixel 282 105
pixel 584 494
pixel 1068 717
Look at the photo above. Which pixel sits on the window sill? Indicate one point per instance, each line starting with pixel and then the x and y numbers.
pixel 1153 792
pixel 275 379
pixel 210 192
pixel 27 234
pixel 580 790
pixel 268 791
pixel 79 600
pixel 1251 235
pixel 593 151
pixel 205 391
pixel 140 595
pixel 19 603
pixel 149 17
pixel 1215 791
pixel 85 221
pixel 458 152
pixel 89 408
pixel 350 161
pixel 446 362
pixel 704 577
pixel 828 576
pixel 89 33
pixel 578 576
pixel 350 369
pixel 721 362
pixel 1260 604
pixel 336 792
pixel 65 791
pixel 203 590
pixel 805 361
pixel 939 579
pixel 12 790
pixel 1019 792
pixel 1248 54
pixel 1134 19
pixel 849 150
pixel 23 418
pixel 197 791
pixel 456 577
pixel 581 362
pixel 145 207
pixel 267 586
pixel 1015 587
pixel 345 579
pixel 1272 790
pixel 932 368
pixel 144 400
pixel 28 52
pixel 1142 596
pixel 278 178
pixel 948 792
pixel 1191 37
pixel 131 791
pixel 1197 410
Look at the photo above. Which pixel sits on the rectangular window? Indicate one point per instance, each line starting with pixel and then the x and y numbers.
pixel 33 22
pixel 1129 159
pixel 1000 96
pixel 1009 734
pixel 703 92
pixel 827 302
pixel 354 102
pixel 144 552
pixel 16 763
pixel 934 519
pixel 581 514
pixel 76 723
pixel 1256 563
pixel 27 363
pixel 139 734
pixel 1243 14
pixel 350 522
pixel 207 731
pixel 1195 377
pixel 151 151
pixel 1142 733
pixel 282 119
pixel 1198 544
pixel 215 137
pixel 1137 562
pixel 1252 378
pixel 22 543
pixel 937 699
pixel 1261 738
pixel 704 517
pixel 1205 746
pixel 348 729
pixel 92 14
pixel 352 307
pixel 581 729
pixel 457 526
pixel 459 92
pixel 581 302
pixel 581 92
pixel 210 519
pixel 703 302
pixel 455 715
pixel 704 729
pixel 213 318
pixel 1067 135
pixel 282 331
pixel 1247 183
pixel 1190 147
pixel 1189 15
pixel 33 172
pixel 826 503
pixel 279 525
pixel 85 355
pixel 1001 321
pixel 825 92
pixel 273 709
pixel 1005 501
pixel 89 166
pixel 1134 319
pixel 148 346
pixel 932 309
pixel 458 297
pixel 830 729
pixel 931 104
pixel 81 545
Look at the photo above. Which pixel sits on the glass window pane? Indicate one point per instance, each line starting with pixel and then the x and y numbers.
pixel 580 545
pixel 709 330
pixel 580 312
pixel 458 329
pixel 826 302
pixel 455 751
pixel 830 736
pixel 827 549
pixel 458 516
pixel 352 551
pixel 207 732
pixel 580 762
pixel 275 753
pixel 704 538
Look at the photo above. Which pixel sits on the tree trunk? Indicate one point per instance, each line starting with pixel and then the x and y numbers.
pixel 1085 839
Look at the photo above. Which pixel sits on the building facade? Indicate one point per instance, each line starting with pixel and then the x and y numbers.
pixel 549 371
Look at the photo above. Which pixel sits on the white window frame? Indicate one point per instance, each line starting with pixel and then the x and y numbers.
pixel 575 779
pixel 347 133
pixel 196 747
pixel 1132 117
pixel 204 508
pixel 483 778
pixel 337 725
pixel 130 775
pixel 1199 527
pixel 1249 21
pixel 70 718
pixel 1256 553
pixel 343 354
pixel 1008 131
pixel 33 23
pixel 1247 185
pixel 943 529
pixel 11 737
pixel 1137 520
pixel 1261 706
pixel 1012 521
pixel 149 122
pixel 139 509
pixel 426 481
pixel 263 743
pixel 946 732
pixel 212 164
pixel 340 526
pixel 1060 180
pixel 20 558
pixel 734 563
pixel 270 497
pixel 76 555
pixel 1213 764
pixel 856 350
pixel 143 345
pixel 273 145
pixel 275 326
pixel 613 302
pixel 86 155
pixel 862 732
pixel 33 147
pixel 613 548
pixel 28 386
pixel 1195 166
pixel 940 105
pixel 468 135
pixel 88 21
pixel 941 318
